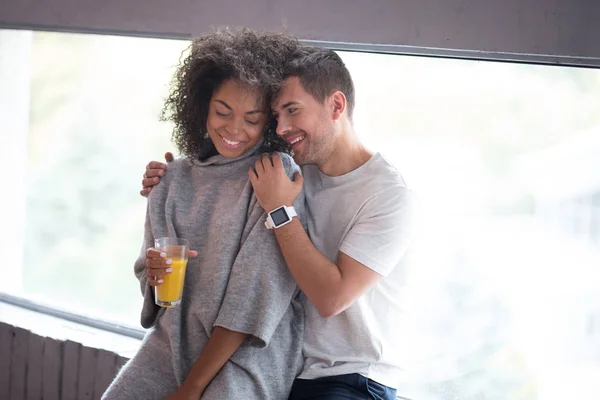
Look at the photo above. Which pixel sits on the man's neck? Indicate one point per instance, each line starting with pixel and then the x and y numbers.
pixel 348 154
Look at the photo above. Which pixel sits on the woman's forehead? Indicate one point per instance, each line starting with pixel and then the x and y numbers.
pixel 236 94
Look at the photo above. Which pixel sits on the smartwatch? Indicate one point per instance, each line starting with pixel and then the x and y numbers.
pixel 280 216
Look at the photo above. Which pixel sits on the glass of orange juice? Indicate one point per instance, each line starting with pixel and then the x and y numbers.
pixel 168 294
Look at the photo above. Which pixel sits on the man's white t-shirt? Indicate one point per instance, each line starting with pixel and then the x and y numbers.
pixel 368 214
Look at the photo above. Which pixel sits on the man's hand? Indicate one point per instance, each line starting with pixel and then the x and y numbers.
pixel 154 171
pixel 271 184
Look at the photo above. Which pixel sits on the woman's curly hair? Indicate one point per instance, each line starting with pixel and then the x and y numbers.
pixel 255 59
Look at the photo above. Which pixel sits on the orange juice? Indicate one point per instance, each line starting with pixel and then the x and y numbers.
pixel 168 294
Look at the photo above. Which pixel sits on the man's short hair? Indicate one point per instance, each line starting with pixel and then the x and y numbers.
pixel 321 72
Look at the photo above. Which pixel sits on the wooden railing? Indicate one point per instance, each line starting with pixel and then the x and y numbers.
pixel 36 367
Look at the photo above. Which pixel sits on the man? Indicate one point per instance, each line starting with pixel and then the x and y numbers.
pixel 360 221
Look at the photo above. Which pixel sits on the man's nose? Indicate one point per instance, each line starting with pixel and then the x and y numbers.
pixel 283 126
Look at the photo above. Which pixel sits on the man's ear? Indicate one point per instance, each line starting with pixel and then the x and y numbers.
pixel 338 101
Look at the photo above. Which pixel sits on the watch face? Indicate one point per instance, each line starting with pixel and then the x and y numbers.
pixel 279 216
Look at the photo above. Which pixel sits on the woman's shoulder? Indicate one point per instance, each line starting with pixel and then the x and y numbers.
pixel 179 167
pixel 176 171
pixel 178 182
pixel 289 164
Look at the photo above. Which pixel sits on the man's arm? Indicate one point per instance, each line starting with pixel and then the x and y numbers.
pixel 331 287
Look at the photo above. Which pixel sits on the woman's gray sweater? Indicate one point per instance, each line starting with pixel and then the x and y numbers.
pixel 239 281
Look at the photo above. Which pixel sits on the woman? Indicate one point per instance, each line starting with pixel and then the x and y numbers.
pixel 237 333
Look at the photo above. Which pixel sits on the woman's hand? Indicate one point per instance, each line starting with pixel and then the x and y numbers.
pixel 185 393
pixel 158 265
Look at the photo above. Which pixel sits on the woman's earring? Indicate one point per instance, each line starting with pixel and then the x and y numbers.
pixel 206 135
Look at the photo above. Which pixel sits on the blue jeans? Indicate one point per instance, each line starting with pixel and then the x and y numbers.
pixel 351 386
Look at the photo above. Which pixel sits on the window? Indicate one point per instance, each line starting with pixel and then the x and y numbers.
pixel 505 280
pixel 503 290
pixel 83 122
